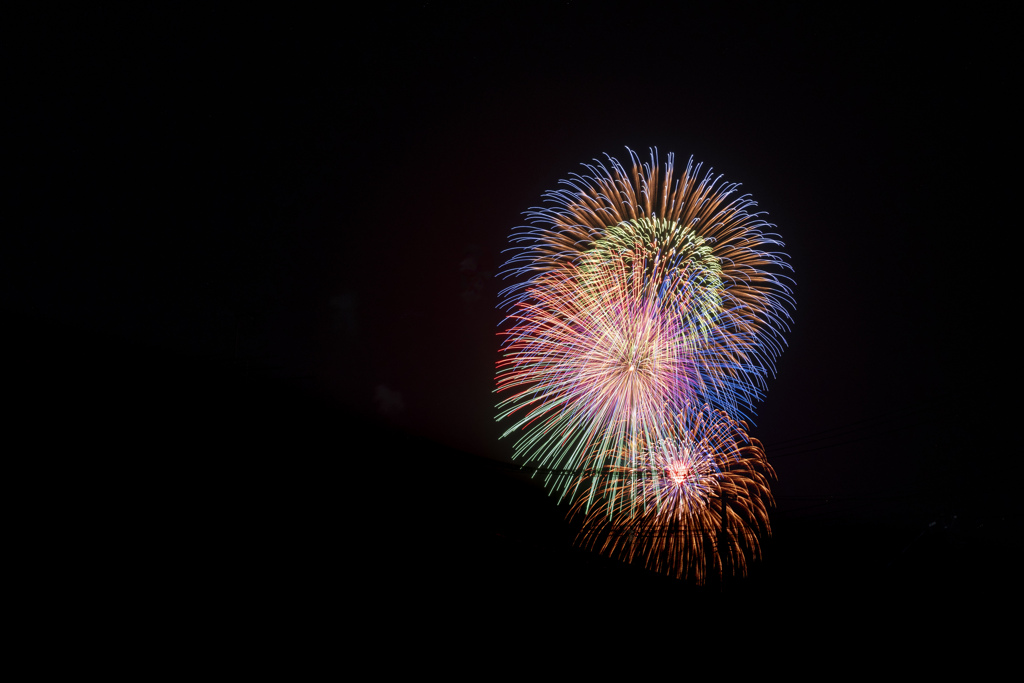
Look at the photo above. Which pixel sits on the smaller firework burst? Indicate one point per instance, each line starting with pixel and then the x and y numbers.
pixel 695 503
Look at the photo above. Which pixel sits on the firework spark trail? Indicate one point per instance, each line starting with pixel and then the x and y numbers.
pixel 696 501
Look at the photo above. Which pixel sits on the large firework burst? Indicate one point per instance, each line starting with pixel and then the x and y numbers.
pixel 695 501
pixel 645 293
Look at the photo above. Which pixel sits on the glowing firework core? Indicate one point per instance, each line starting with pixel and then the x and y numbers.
pixel 678 472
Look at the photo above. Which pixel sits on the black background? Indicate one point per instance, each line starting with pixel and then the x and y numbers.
pixel 248 278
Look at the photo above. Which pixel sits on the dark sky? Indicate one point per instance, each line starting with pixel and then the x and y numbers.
pixel 322 201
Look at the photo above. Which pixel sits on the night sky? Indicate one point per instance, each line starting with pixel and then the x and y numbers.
pixel 249 278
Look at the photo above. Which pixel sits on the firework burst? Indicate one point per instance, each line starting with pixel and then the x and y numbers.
pixel 645 292
pixel 696 500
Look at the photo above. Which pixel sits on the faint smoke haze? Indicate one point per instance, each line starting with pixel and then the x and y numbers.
pixel 471 275
pixel 389 401
pixel 343 313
